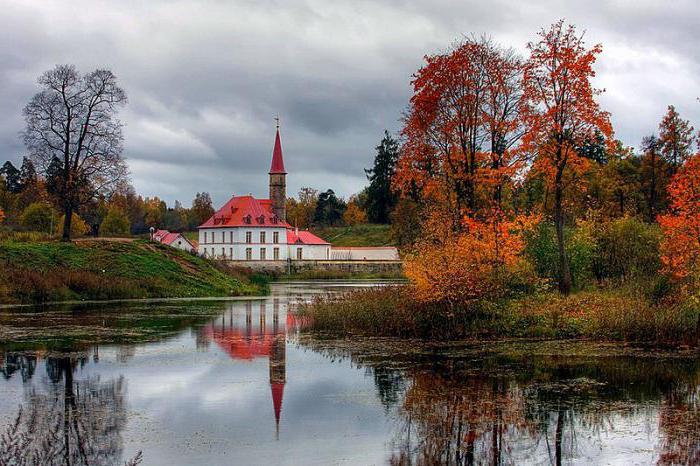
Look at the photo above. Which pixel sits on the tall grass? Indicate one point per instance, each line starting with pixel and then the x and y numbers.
pixel 622 314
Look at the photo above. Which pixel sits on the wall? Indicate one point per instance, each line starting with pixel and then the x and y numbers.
pixel 327 265
pixel 365 253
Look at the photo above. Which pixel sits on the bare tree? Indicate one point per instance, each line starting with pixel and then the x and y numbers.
pixel 73 136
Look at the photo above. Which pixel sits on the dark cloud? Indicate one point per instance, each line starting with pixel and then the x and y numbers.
pixel 206 78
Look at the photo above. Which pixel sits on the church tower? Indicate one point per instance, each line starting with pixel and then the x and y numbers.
pixel 278 180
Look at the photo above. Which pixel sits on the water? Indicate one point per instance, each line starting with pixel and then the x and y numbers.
pixel 237 382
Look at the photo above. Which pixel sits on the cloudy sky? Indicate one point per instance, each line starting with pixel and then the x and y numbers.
pixel 206 78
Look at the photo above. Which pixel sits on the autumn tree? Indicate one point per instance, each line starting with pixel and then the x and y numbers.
pixel 676 138
pixel 680 248
pixel 381 197
pixel 71 126
pixel 561 113
pixel 301 211
pixel 2 216
pixel 654 175
pixel 354 214
pixel 116 223
pixel 202 209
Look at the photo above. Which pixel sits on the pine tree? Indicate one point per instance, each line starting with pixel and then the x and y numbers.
pixel 12 176
pixel 381 199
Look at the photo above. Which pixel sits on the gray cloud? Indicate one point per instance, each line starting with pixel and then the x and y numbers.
pixel 206 78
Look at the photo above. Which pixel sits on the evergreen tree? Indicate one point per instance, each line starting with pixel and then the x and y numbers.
pixel 381 199
pixel 27 176
pixel 13 181
pixel 329 209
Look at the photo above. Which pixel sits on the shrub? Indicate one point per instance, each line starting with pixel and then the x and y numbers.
pixel 541 249
pixel 626 248
pixel 116 223
pixel 78 227
pixel 38 216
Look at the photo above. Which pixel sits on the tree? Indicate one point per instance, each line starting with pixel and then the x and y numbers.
pixel 38 217
pixel 73 136
pixel 155 210
pixel 461 130
pixel 202 209
pixel 561 113
pixel 2 216
pixel 301 213
pixel 381 198
pixel 329 209
pixel 116 223
pixel 680 247
pixel 676 138
pixel 654 176
pixel 354 214
pixel 13 180
pixel 78 226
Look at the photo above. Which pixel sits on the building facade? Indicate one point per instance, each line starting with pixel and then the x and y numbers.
pixel 251 229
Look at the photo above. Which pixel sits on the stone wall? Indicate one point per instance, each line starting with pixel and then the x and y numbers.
pixel 353 266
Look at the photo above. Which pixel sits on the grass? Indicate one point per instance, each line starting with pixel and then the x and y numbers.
pixel 42 271
pixel 358 235
pixel 611 314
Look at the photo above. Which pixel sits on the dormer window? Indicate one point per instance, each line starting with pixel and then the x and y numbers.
pixel 247 219
pixel 274 219
pixel 261 219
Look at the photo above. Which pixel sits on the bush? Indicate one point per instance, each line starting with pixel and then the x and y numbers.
pixel 626 248
pixel 78 227
pixel 38 216
pixel 116 223
pixel 542 250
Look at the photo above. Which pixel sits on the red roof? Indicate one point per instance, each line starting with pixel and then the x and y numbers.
pixel 160 234
pixel 169 238
pixel 245 211
pixel 303 237
pixel 277 166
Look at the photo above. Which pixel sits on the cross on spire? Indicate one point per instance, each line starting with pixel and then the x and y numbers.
pixel 277 119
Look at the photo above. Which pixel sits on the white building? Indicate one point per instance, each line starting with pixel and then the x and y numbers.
pixel 250 229
pixel 175 240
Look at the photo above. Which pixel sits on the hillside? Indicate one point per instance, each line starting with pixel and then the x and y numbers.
pixel 34 272
pixel 358 235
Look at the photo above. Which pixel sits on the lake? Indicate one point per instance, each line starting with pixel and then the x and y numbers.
pixel 214 382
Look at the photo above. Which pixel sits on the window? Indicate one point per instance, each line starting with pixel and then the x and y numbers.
pixel 275 237
pixel 262 254
pixel 223 236
pixel 248 237
pixel 249 254
pixel 205 239
pixel 230 239
pixel 223 253
pixel 299 253
pixel 230 253
pixel 262 237
pixel 276 254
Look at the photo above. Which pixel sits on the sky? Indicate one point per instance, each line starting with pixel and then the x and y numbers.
pixel 205 79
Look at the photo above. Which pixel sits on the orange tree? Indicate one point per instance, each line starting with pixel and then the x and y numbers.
pixel 561 114
pixel 460 129
pixel 680 247
pixel 460 267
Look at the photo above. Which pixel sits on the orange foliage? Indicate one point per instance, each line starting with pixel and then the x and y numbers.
pixel 456 268
pixel 461 128
pixel 2 216
pixel 680 248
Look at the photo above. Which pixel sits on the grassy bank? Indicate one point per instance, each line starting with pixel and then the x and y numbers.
pixel 42 271
pixel 357 235
pixel 611 314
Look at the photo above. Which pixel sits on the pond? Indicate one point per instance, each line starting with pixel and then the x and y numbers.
pixel 216 382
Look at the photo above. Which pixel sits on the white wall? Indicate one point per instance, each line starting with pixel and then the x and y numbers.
pixel 230 243
pixel 310 251
pixel 368 253
pixel 181 243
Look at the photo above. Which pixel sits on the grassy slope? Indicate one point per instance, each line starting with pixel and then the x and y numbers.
pixel 358 235
pixel 48 271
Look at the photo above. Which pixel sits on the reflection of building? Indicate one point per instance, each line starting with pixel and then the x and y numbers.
pixel 243 336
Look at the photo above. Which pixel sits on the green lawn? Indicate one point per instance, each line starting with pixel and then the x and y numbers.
pixel 358 235
pixel 54 271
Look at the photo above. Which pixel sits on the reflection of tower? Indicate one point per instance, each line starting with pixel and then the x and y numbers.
pixel 278 376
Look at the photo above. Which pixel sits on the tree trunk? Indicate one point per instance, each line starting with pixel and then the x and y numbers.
pixel 564 272
pixel 558 437
pixel 66 223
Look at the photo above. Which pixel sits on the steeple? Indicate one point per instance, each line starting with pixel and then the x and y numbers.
pixel 278 179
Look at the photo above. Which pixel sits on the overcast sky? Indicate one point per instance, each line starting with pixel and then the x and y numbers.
pixel 205 79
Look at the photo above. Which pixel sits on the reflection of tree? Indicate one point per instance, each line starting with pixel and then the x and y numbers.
pixel 390 384
pixel 12 362
pixel 679 423
pixel 72 422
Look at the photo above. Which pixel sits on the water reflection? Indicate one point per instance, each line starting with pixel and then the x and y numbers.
pixel 206 382
pixel 244 336
pixel 66 420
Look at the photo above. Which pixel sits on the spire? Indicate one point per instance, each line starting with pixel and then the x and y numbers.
pixel 277 166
